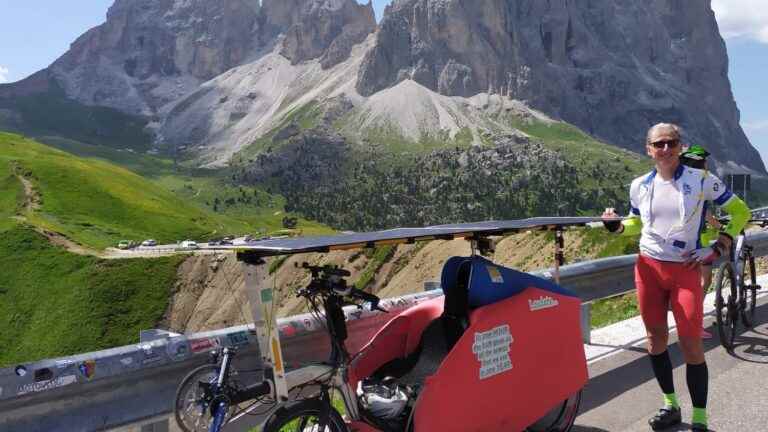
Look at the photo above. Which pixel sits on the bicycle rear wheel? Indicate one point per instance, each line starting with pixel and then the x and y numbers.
pixel 725 305
pixel 304 416
pixel 749 290
pixel 559 419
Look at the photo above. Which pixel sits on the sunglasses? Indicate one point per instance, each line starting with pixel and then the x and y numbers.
pixel 666 143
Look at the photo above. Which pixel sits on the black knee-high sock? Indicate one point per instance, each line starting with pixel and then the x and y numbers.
pixel 697 377
pixel 662 368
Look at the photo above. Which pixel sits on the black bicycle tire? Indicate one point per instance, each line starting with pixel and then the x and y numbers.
pixel 569 410
pixel 750 295
pixel 298 409
pixel 191 375
pixel 726 328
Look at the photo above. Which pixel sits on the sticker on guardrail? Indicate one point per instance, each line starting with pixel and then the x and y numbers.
pixel 238 339
pixel 492 350
pixel 43 374
pixel 178 348
pixel 151 355
pixel 309 323
pixel 63 364
pixel 87 368
pixel 127 362
pixel 287 330
pixel 47 385
pixel 199 345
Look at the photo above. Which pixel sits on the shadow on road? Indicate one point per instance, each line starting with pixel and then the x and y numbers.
pixel 752 346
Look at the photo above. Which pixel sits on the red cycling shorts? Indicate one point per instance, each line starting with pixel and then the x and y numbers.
pixel 661 284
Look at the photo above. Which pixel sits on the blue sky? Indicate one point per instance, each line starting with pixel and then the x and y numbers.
pixel 35 32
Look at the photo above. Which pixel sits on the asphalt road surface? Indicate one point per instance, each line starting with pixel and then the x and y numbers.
pixel 622 393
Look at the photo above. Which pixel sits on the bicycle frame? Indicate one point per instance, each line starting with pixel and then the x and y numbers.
pixel 259 289
pixel 736 258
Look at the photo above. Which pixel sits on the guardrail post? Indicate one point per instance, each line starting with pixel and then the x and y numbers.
pixel 586 318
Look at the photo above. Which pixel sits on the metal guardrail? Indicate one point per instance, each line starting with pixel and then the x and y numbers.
pixel 111 388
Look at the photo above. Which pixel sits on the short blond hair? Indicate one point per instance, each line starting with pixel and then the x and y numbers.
pixel 671 129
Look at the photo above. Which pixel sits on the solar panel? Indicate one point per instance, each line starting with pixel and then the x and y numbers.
pixel 404 235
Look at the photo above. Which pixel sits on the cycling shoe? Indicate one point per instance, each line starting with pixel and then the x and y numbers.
pixel 665 418
pixel 698 427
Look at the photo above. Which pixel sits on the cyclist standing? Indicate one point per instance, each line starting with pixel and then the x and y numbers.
pixel 667 208
pixel 696 157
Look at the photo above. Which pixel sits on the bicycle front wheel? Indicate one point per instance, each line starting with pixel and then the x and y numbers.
pixel 193 404
pixel 725 305
pixel 749 290
pixel 561 418
pixel 304 416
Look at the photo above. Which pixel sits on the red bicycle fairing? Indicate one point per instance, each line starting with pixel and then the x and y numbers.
pixel 486 384
pixel 398 338
pixel 520 357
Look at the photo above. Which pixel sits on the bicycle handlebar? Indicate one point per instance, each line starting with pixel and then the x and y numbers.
pixel 329 279
pixel 368 297
pixel 328 270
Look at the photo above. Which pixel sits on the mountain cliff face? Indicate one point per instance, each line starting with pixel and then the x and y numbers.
pixel 150 53
pixel 611 68
pixel 312 100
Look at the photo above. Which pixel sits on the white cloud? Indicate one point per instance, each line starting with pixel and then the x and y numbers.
pixel 742 19
pixel 4 74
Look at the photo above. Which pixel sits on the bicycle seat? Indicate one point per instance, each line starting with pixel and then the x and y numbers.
pixel 442 333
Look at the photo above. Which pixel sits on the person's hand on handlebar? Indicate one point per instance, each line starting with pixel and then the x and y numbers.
pixel 707 255
pixel 611 220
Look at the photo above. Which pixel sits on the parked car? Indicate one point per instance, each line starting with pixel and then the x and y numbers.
pixel 149 242
pixel 189 244
pixel 124 244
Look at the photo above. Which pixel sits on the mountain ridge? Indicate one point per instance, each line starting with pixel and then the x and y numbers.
pixel 610 69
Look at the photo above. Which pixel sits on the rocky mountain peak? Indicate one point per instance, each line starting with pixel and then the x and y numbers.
pixel 611 68
pixel 150 53
pixel 325 29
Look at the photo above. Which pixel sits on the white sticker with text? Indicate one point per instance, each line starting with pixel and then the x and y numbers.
pixel 47 385
pixel 492 351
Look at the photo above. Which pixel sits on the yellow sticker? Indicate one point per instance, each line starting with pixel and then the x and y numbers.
pixel 495 275
pixel 276 356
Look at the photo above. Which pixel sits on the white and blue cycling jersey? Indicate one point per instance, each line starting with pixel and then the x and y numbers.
pixel 667 233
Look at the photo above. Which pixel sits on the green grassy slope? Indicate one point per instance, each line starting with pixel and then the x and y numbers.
pixel 96 203
pixel 238 209
pixel 10 195
pixel 55 303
